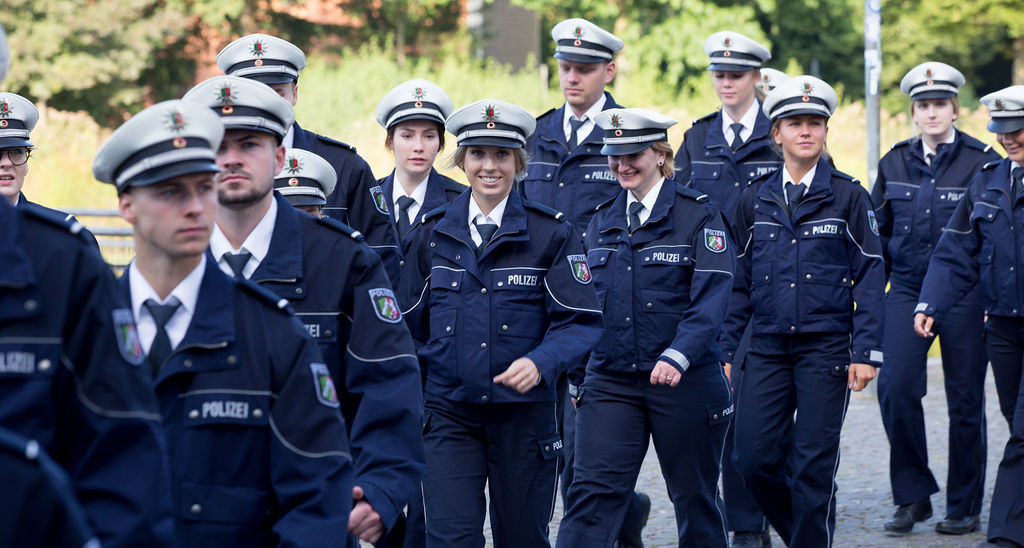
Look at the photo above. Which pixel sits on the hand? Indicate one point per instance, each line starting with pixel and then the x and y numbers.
pixel 861 375
pixel 363 521
pixel 727 369
pixel 574 404
pixel 665 373
pixel 521 376
pixel 923 325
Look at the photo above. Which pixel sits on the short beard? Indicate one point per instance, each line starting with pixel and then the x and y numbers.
pixel 242 201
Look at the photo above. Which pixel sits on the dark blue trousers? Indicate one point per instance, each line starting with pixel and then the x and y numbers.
pixel 509 448
pixel 618 416
pixel 789 465
pixel 902 383
pixel 741 510
pixel 1005 340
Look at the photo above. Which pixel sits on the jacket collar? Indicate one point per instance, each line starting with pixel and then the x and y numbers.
pixel 820 192
pixel 284 257
pixel 455 224
pixel 552 130
pixel 657 223
pixel 299 139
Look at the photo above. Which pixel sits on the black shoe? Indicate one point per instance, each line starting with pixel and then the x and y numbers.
pixel 751 539
pixel 958 526
pixel 907 515
pixel 633 537
pixel 998 543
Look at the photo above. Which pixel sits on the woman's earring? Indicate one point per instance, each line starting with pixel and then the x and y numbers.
pixel 661 163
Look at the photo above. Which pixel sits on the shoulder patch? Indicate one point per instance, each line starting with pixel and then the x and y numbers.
pixel 990 165
pixel 266 296
pixel 327 140
pixel 714 240
pixel 872 221
pixel 541 208
pixel 385 305
pixel 326 393
pixel 128 336
pixel 341 227
pixel 580 269
pixel 378 200
pixel 705 118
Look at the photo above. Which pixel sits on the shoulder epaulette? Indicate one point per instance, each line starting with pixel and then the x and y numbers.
pixel 762 176
pixel 705 118
pixel 339 226
pixel 436 212
pixel 606 202
pixel 541 208
pixel 842 175
pixel 550 111
pixel 454 186
pixel 691 193
pixel 265 295
pixel 56 218
pixel 902 143
pixel 990 165
pixel 335 142
pixel 975 143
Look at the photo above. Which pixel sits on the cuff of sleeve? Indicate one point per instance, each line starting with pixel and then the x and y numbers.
pixel 381 504
pixel 676 358
pixel 871 356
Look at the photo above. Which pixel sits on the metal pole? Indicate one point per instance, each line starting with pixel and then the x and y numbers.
pixel 872 76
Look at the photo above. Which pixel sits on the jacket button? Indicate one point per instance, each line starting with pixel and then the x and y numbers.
pixel 561 185
pixel 806 233
pixel 447 329
pixel 933 180
pixel 808 276
pixel 791 286
pixel 232 359
pixel 45 364
pixel 771 234
pixel 629 268
pixel 942 197
pixel 737 183
pixel 188 363
pixel 600 240
pixel 603 259
pixel 906 227
pixel 455 284
pixel 504 327
pixel 1011 269
pixel 650 305
pixel 457 257
pixel 715 416
pixel 484 399
pixel 501 284
pixel 298 291
pixel 587 176
pixel 195 509
pixel 908 194
pixel 632 366
pixel 647 258
pixel 547 448
pixel 31 305
pixel 792 328
pixel 483 346
pixel 483 290
pixel 751 174
pixel 928 211
pixel 328 333
pixel 401 263
pixel 766 277
pixel 257 413
pixel 432 244
pixel 193 414
pixel 548 175
pixel 793 241
pixel 627 319
pixel 686 259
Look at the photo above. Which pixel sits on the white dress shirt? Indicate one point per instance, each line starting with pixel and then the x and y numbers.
pixel 648 202
pixel 186 292
pixel 805 180
pixel 418 195
pixel 588 120
pixel 748 120
pixel 289 138
pixel 494 217
pixel 257 243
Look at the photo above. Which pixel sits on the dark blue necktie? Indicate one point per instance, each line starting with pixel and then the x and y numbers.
pixel 737 140
pixel 486 231
pixel 404 202
pixel 161 347
pixel 574 125
pixel 237 261
pixel 634 216
pixel 1017 181
pixel 794 191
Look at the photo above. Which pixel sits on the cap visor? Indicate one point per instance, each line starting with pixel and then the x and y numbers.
pixel 1007 125
pixel 15 142
pixel 300 200
pixel 164 173
pixel 490 142
pixel 271 79
pixel 268 131
pixel 417 116
pixel 799 111
pixel 624 149
pixel 932 94
pixel 725 67
pixel 577 58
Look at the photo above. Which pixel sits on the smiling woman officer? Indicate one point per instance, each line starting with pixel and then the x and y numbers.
pixel 662 265
pixel 920 181
pixel 980 246
pixel 502 303
pixel 810 250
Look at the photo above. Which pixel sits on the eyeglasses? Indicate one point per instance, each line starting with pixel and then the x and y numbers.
pixel 18 155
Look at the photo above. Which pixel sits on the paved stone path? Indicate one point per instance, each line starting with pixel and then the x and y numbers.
pixel 864 501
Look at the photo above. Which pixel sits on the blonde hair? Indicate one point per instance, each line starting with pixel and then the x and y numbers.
pixel 668 168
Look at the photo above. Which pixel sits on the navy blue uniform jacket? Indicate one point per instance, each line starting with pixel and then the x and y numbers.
pixel 258 450
pixel 357 200
pixel 705 163
pixel 664 289
pixel 70 377
pixel 571 182
pixel 530 293
pixel 979 245
pixel 336 285
pixel 913 201
pixel 804 274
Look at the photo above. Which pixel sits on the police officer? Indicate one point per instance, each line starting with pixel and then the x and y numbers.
pixel 338 288
pixel 719 155
pixel 357 201
pixel 810 251
pixel 39 506
pixel 980 246
pixel 413 114
pixel 70 364
pixel 257 445
pixel 662 264
pixel 305 181
pixel 920 181
pixel 770 79
pixel 501 302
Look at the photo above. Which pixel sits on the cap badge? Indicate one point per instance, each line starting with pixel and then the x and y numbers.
pixel 491 114
pixel 928 73
pixel 293 165
pixel 728 44
pixel 616 122
pixel 5 109
pixel 225 97
pixel 578 34
pixel 179 142
pixel 418 94
pixel 293 182
pixel 258 49
pixel 1000 105
pixel 808 88
pixel 176 121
